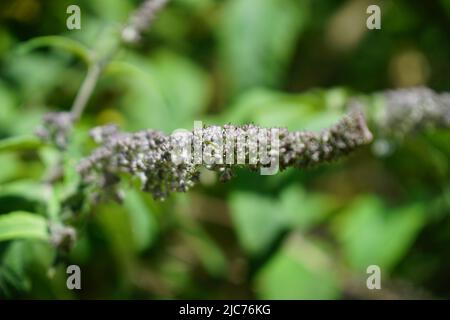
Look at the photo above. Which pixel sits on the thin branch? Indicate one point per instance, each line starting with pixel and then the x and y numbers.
pixel 404 111
pixel 86 89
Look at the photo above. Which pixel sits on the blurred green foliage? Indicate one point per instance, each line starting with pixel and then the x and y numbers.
pixel 298 235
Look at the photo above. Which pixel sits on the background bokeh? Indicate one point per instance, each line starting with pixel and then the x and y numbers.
pixel 302 234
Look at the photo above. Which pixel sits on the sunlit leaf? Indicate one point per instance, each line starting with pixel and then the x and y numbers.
pixel 299 271
pixel 257 39
pixel 256 220
pixel 20 143
pixel 22 225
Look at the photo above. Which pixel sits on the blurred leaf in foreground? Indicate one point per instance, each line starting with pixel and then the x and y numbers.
pixel 257 39
pixel 64 43
pixel 259 219
pixel 312 110
pixel 20 143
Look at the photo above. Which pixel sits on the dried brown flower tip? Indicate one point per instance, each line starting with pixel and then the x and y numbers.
pixel 403 111
pixel 56 128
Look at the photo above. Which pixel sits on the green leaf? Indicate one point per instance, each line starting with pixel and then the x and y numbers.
pixel 257 38
pixel 142 92
pixel 257 221
pixel 142 220
pixel 24 266
pixel 439 139
pixel 260 219
pixel 446 6
pixel 116 227
pixel 20 143
pixel 11 166
pixel 22 225
pixel 209 253
pixel 72 46
pixel 184 84
pixel 300 271
pixel 117 12
pixel 37 74
pixel 371 234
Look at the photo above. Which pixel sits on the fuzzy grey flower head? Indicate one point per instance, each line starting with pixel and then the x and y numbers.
pixel 62 236
pixel 407 110
pixel 149 155
pixel 145 155
pixel 56 128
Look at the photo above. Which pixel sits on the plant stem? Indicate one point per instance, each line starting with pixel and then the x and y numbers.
pixel 139 21
pixel 86 89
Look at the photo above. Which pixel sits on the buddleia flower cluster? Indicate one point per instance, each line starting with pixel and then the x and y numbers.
pixel 413 109
pixel 302 149
pixel 56 128
pixel 408 110
pixel 171 163
pixel 145 154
